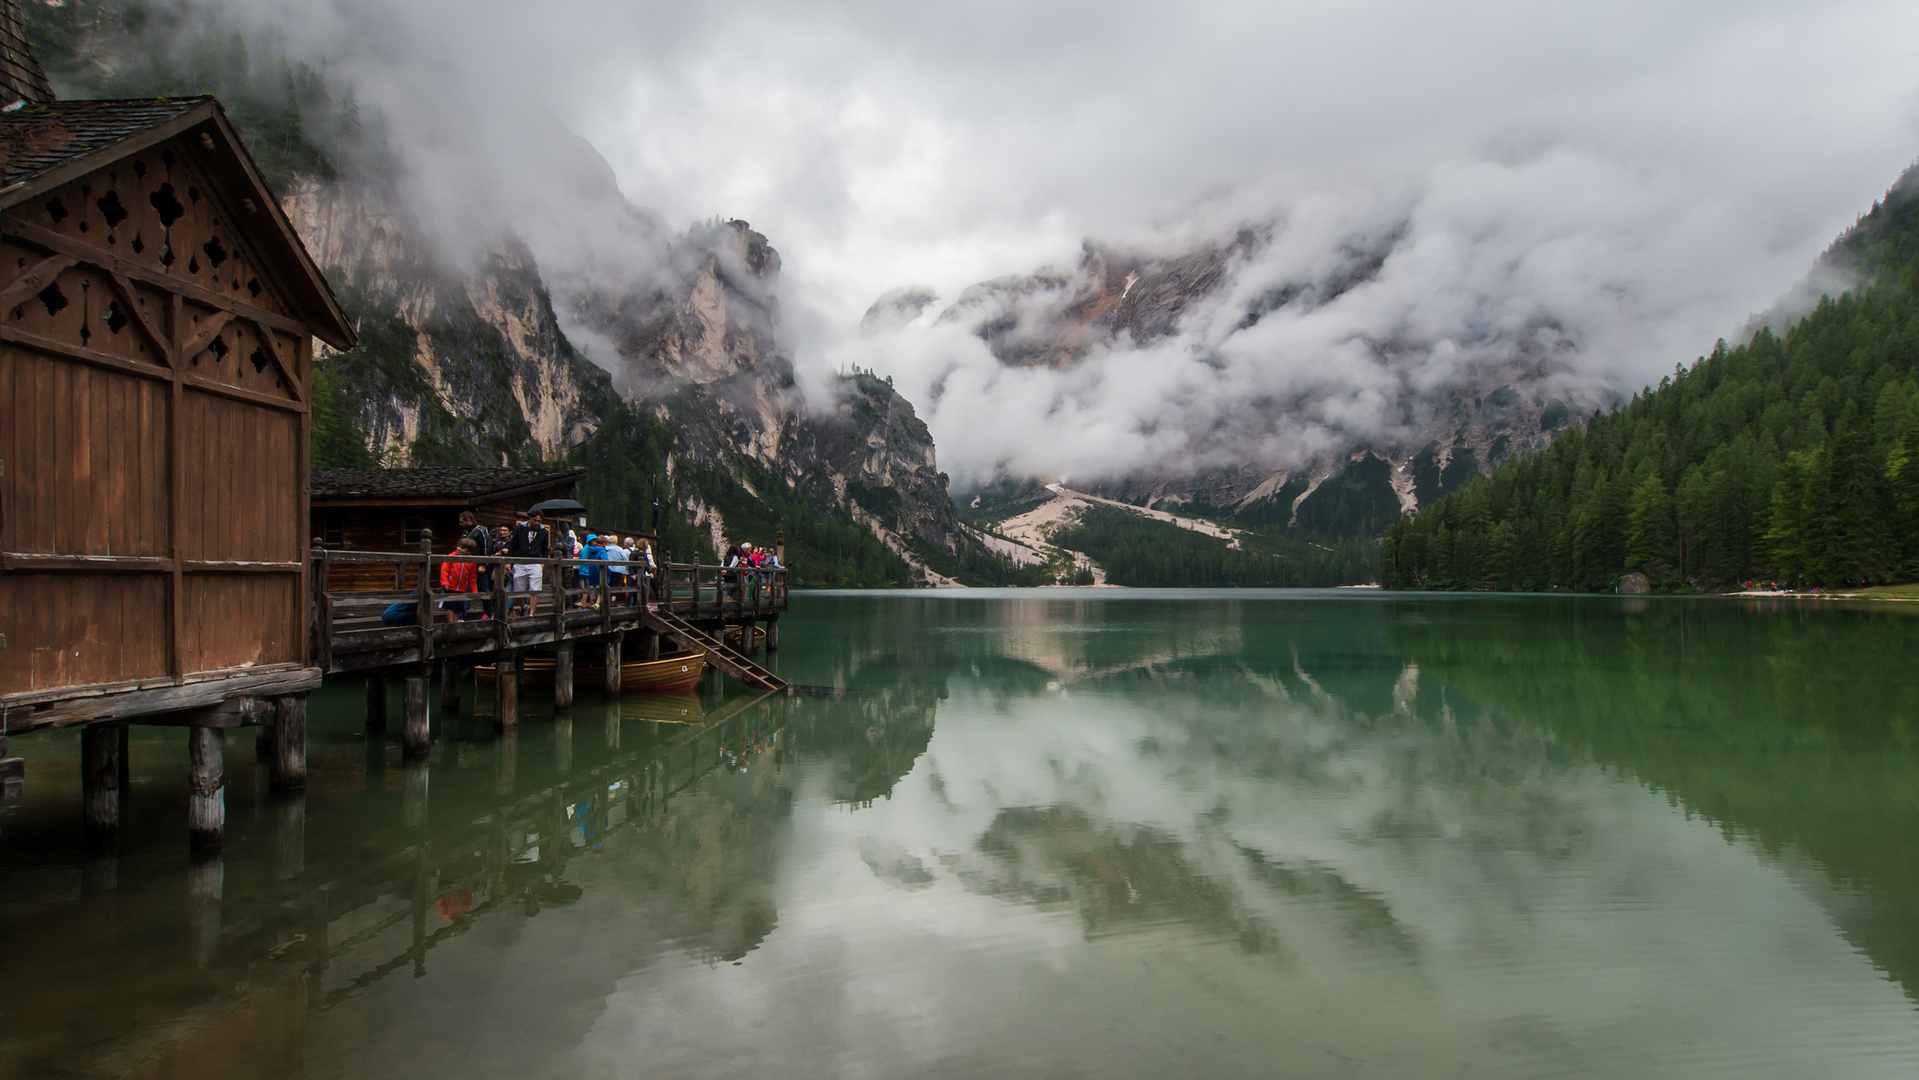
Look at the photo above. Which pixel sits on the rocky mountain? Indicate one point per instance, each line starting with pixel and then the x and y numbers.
pixel 1118 306
pixel 687 400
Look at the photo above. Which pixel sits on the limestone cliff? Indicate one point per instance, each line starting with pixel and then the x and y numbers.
pixel 456 364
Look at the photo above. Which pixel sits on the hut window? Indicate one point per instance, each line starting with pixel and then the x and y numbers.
pixel 331 533
pixel 411 529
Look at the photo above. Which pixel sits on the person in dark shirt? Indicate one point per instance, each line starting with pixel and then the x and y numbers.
pixel 529 540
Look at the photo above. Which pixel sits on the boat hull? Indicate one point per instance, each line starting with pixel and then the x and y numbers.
pixel 667 674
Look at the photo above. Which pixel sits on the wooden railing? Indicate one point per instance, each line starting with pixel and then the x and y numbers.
pixel 349 631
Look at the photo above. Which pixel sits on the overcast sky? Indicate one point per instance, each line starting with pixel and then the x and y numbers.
pixel 1689 158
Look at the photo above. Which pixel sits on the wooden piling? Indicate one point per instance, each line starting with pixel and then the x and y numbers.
pixel 652 644
pixel 375 702
pixel 287 760
pixel 413 794
pixel 206 885
pixel 100 780
pixel 449 687
pixel 506 691
pixel 206 787
pixel 414 737
pixel 772 633
pixel 612 665
pixel 563 744
pixel 563 676
pixel 289 836
pixel 509 762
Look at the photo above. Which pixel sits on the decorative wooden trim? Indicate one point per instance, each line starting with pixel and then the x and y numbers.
pixel 36 278
pixel 279 365
pixel 176 492
pixel 15 336
pixel 204 334
pixel 32 562
pixel 139 313
pixel 47 240
pixel 214 386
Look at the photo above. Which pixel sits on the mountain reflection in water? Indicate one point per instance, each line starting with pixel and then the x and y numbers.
pixel 1061 833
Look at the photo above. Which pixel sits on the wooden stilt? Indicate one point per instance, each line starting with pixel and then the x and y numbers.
pixel 509 761
pixel 612 665
pixel 206 883
pixel 563 743
pixel 613 725
pixel 563 676
pixel 772 633
pixel 413 794
pixel 125 758
pixel 652 644
pixel 375 702
pixel 449 687
pixel 287 759
pixel 206 787
pixel 414 737
pixel 100 780
pixel 290 836
pixel 506 691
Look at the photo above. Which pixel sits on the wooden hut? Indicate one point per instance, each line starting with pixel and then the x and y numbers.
pixel 156 317
pixel 388 509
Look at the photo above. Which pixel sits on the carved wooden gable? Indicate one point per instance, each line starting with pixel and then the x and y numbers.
pixel 99 253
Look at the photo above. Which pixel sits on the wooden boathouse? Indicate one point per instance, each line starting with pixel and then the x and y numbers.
pixel 157 312
pixel 159 561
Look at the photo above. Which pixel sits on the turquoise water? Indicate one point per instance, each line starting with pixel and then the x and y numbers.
pixel 1043 833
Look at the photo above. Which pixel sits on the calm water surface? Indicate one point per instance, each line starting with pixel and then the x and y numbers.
pixel 1042 834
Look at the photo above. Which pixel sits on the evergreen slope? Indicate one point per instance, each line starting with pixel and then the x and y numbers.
pixel 1791 458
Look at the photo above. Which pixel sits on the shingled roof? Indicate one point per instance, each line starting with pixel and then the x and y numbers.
pixel 436 483
pixel 36 139
pixel 46 144
pixel 21 77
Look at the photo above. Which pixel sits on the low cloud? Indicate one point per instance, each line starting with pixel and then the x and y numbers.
pixel 1593 192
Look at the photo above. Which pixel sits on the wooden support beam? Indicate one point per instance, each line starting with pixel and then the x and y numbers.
pixel 506 691
pixel 206 787
pixel 13 777
pixel 563 677
pixel 563 744
pixel 375 703
pixel 100 780
pixel 413 793
pixel 612 665
pixel 772 633
pixel 509 761
pixel 287 757
pixel 414 737
pixel 206 884
pixel 450 687
pixel 289 835
pixel 652 648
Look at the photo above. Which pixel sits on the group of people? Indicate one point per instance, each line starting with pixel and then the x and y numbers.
pixel 627 566
pixel 746 567
pixel 630 562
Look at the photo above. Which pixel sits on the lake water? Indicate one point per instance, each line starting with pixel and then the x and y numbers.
pixel 1042 833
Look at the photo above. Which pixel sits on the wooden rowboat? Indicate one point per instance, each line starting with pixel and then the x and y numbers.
pixel 732 638
pixel 679 671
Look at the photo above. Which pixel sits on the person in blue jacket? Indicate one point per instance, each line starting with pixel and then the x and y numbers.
pixel 596 551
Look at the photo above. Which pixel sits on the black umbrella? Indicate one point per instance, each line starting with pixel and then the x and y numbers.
pixel 559 506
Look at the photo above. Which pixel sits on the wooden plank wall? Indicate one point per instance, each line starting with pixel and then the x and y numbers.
pixel 115 315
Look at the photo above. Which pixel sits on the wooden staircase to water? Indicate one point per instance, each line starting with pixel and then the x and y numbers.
pixel 724 657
